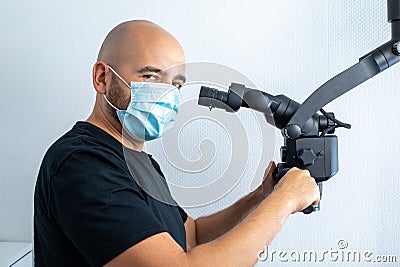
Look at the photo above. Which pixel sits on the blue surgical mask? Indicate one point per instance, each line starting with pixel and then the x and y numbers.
pixel 152 109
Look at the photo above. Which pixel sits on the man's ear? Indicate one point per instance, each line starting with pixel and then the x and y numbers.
pixel 99 75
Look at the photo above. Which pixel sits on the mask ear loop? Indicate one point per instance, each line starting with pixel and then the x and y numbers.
pixel 116 74
pixel 108 101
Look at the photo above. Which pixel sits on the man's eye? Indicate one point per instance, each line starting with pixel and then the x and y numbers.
pixel 150 77
pixel 177 85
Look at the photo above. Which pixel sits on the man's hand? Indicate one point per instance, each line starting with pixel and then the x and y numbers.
pixel 298 188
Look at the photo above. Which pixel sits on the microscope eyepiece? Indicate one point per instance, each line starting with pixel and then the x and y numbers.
pixel 213 98
pixel 207 92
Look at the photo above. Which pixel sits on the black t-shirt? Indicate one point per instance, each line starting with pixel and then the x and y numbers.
pixel 89 209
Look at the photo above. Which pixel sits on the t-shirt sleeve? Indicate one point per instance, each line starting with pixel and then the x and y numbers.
pixel 183 214
pixel 99 207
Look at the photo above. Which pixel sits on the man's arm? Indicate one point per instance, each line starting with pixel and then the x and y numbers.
pixel 237 247
pixel 208 228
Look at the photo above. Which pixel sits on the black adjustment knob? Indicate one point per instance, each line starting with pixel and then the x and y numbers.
pixel 291 131
pixel 396 49
pixel 307 156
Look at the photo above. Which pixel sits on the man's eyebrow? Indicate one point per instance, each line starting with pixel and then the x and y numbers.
pixel 157 70
pixel 149 69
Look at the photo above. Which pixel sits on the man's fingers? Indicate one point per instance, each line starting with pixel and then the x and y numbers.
pixel 269 170
pixel 272 167
pixel 318 199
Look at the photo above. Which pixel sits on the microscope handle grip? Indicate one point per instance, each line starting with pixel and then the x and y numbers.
pixel 313 208
pixel 280 172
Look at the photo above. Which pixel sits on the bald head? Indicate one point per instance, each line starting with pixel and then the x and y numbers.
pixel 132 40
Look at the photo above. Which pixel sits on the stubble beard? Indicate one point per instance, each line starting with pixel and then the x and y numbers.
pixel 116 97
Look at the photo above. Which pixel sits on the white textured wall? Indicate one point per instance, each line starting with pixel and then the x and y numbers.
pixel 48 47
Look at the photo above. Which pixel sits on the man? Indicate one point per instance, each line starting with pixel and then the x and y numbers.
pixel 89 208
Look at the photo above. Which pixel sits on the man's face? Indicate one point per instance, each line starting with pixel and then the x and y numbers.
pixel 161 60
